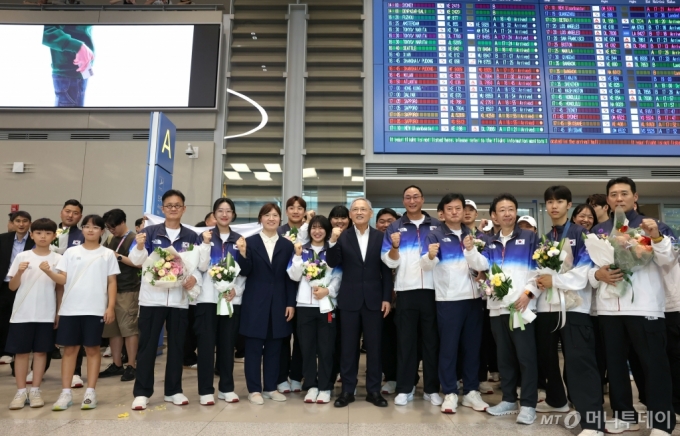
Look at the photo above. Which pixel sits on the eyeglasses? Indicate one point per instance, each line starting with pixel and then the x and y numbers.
pixel 414 198
pixel 91 228
pixel 173 206
pixel 359 210
pixel 224 212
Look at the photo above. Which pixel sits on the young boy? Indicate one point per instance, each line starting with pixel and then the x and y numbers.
pixel 34 311
pixel 88 273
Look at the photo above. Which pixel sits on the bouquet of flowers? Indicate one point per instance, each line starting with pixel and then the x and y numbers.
pixel 553 257
pixel 315 271
pixel 166 268
pixel 479 243
pixel 223 275
pixel 502 285
pixel 291 234
pixel 486 289
pixel 626 249
pixel 60 243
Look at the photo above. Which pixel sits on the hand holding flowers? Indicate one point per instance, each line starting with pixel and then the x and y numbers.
pixel 223 274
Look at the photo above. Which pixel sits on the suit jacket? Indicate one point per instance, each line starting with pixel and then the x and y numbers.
pixel 367 281
pixel 6 243
pixel 268 289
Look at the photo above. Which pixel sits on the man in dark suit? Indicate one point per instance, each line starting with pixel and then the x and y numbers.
pixel 364 299
pixel 11 244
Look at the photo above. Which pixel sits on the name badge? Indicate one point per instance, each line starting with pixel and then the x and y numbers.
pixel 519 242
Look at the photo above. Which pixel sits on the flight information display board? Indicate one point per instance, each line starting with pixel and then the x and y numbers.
pixel 527 77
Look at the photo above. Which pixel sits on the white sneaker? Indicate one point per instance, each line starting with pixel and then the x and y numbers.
pixel 6 360
pixel 64 401
pixel 283 387
pixel 459 385
pixel 450 403
pixel 107 352
pixel 494 377
pixel 194 366
pixel 295 386
pixel 274 396
pixel 616 426
pixel 229 397
pixel 473 399
pixel 35 398
pixel 19 401
pixel 544 407
pixel 177 399
pixel 89 401
pixel 435 399
pixel 527 415
pixel 389 387
pixel 403 399
pixel 324 397
pixel 256 398
pixel 541 395
pixel 657 432
pixel 29 378
pixel 485 388
pixel 312 395
pixel 140 403
pixel 76 382
pixel 206 400
pixel 503 408
pixel 591 433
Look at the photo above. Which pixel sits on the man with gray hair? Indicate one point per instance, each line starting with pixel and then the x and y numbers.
pixel 364 299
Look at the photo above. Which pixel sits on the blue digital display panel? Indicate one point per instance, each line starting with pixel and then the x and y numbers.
pixel 527 77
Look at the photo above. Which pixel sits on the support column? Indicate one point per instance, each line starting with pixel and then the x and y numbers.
pixel 294 112
pixel 222 102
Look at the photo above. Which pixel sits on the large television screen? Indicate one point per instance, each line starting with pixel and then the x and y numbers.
pixel 109 66
pixel 551 77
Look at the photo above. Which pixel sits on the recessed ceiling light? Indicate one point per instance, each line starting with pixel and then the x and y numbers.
pixel 254 37
pixel 308 172
pixel 347 172
pixel 241 168
pixel 357 179
pixel 252 33
pixel 264 69
pixel 262 175
pixel 232 175
pixel 264 66
pixel 273 168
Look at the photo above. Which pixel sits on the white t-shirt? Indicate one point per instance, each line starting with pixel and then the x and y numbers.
pixel 87 271
pixel 418 222
pixel 457 232
pixel 173 234
pixel 224 236
pixel 36 300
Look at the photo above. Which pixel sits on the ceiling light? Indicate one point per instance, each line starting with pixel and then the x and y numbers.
pixel 241 168
pixel 232 175
pixel 308 172
pixel 252 33
pixel 264 66
pixel 273 168
pixel 262 175
pixel 357 179
pixel 264 69
pixel 254 37
pixel 347 172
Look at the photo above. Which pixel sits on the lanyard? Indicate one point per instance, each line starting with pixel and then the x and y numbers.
pixel 122 240
pixel 564 232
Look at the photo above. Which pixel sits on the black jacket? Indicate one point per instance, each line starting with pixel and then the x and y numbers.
pixel 6 243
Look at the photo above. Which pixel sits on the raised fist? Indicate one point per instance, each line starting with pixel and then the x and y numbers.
pixel 432 250
pixel 396 239
pixel 141 241
pixel 298 249
pixel 335 234
pixel 469 243
pixel 207 235
pixel 241 245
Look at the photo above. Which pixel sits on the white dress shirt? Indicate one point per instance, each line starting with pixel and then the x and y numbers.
pixel 363 241
pixel 269 243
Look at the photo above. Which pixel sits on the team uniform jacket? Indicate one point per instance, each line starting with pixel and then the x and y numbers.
pixel 515 259
pixel 156 237
pixel 295 272
pixel 648 283
pixel 409 275
pixel 212 254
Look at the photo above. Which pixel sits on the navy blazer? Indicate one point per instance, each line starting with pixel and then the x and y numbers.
pixel 268 289
pixel 6 245
pixel 367 281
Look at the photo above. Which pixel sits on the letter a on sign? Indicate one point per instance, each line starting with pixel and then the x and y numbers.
pixel 166 144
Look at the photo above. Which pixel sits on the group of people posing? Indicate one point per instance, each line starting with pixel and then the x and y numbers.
pixel 413 288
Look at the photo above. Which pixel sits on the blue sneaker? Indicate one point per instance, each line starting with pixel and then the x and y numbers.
pixel 503 408
pixel 527 416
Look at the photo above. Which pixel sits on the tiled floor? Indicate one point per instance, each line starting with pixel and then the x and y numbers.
pixel 293 417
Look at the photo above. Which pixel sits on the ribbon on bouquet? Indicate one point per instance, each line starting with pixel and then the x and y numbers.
pixel 562 314
pixel 518 319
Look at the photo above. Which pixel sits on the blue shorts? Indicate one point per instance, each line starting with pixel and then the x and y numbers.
pixel 24 337
pixel 85 330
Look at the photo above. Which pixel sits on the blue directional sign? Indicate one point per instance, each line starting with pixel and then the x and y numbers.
pixel 160 162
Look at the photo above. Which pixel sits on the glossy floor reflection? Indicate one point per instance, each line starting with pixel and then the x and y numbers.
pixel 293 417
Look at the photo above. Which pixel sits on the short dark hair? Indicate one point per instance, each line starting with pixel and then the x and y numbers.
pixel 339 211
pixel 597 200
pixel 623 180
pixel 138 222
pixel 323 222
pixel 413 187
pixel 557 192
pixel 20 214
pixel 266 208
pixel 219 202
pixel 448 198
pixel 44 224
pixel 114 217
pixel 295 199
pixel 207 216
pixel 94 219
pixel 173 193
pixel 580 208
pixel 387 211
pixel 201 224
pixel 73 202
pixel 501 197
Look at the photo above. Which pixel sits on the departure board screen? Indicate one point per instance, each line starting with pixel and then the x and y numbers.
pixel 527 77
